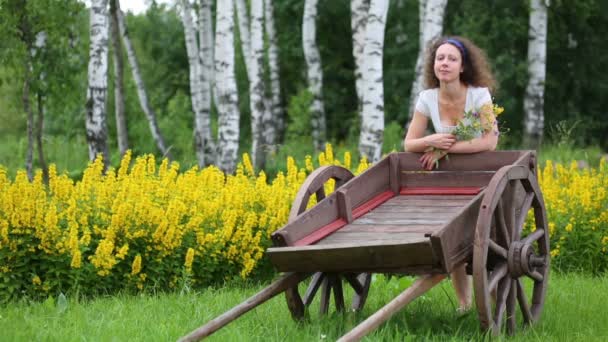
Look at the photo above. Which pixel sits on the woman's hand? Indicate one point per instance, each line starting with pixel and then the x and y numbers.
pixel 442 141
pixel 431 158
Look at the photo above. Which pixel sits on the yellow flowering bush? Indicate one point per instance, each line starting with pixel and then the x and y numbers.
pixel 577 209
pixel 142 225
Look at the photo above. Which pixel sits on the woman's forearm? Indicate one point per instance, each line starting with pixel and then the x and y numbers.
pixel 486 143
pixel 415 145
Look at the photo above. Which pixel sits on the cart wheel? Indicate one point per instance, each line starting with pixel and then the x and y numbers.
pixel 328 282
pixel 509 268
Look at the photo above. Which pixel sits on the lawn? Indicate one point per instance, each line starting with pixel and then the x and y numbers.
pixel 575 309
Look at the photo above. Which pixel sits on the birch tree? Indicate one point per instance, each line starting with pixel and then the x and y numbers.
pixel 273 121
pixel 207 55
pixel 200 93
pixel 97 81
pixel 372 123
pixel 535 91
pixel 314 73
pixel 119 101
pixel 244 33
pixel 358 19
pixel 227 96
pixel 141 89
pixel 256 83
pixel 431 14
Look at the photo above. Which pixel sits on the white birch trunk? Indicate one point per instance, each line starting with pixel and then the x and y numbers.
pixel 119 100
pixel 314 73
pixel 372 124
pixel 256 83
pixel 535 91
pixel 274 125
pixel 227 95
pixel 358 20
pixel 431 14
pixel 206 41
pixel 199 92
pixel 244 33
pixel 97 81
pixel 141 89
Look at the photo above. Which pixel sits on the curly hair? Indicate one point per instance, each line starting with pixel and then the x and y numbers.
pixel 476 70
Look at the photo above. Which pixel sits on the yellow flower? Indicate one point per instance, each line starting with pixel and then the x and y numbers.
pixel 136 267
pixel 36 280
pixel 189 259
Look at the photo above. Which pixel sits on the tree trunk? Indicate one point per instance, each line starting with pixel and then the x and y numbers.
pixel 372 125
pixel 227 95
pixel 200 93
pixel 244 33
pixel 314 73
pixel 257 87
pixel 535 91
pixel 431 14
pixel 358 18
pixel 29 167
pixel 274 125
pixel 98 82
pixel 39 145
pixel 119 101
pixel 141 89
pixel 206 55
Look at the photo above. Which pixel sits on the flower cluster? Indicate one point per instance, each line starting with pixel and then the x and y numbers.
pixel 577 209
pixel 141 225
pixel 477 122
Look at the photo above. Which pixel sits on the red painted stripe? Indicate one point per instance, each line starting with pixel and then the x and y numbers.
pixel 440 191
pixel 321 233
pixel 372 204
pixel 339 223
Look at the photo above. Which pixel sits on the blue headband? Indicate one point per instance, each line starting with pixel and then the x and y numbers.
pixel 459 45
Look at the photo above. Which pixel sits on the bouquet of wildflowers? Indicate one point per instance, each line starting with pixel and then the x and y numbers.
pixel 472 126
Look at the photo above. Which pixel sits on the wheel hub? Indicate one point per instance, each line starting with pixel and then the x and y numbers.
pixel 522 259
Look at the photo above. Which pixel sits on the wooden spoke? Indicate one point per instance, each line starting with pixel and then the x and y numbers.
pixel 315 283
pixel 294 303
pixel 511 302
pixel 365 279
pixel 497 275
pixel 501 299
pixel 537 234
pixel 325 293
pixel 537 276
pixel 497 249
pixel 354 283
pixel 501 224
pixel 338 294
pixel 523 213
pixel 523 303
pixel 320 194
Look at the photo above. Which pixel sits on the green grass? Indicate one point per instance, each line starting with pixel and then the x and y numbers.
pixel 574 311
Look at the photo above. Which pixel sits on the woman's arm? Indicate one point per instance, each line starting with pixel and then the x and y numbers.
pixel 416 141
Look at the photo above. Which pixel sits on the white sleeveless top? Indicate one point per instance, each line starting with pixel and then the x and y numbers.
pixel 428 105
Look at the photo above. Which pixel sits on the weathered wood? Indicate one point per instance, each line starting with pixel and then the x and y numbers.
pixel 445 178
pixel 286 281
pixel 440 191
pixel 371 182
pixel 404 221
pixel 394 173
pixel 345 208
pixel 387 228
pixel 369 237
pixel 488 161
pixel 418 288
pixel 392 215
pixel 358 257
pixel 318 216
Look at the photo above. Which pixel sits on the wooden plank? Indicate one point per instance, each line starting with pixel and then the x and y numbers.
pixel 453 243
pixel 446 178
pixel 394 173
pixel 353 257
pixel 371 237
pixel 432 198
pixel 320 233
pixel 372 204
pixel 345 209
pixel 488 161
pixel 424 229
pixel 401 221
pixel 324 213
pixel 438 191
pixel 374 215
pixel 418 209
pixel 413 201
pixel 370 183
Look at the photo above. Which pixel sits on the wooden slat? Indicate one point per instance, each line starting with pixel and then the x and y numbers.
pixel 425 229
pixel 432 198
pixel 375 215
pixel 401 221
pixel 489 161
pixel 372 204
pixel 414 201
pixel 354 257
pixel 371 238
pixel 418 209
pixel 370 183
pixel 445 178
pixel 438 191
pixel 320 233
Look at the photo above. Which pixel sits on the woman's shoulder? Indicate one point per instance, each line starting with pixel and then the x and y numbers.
pixel 428 94
pixel 480 94
pixel 479 90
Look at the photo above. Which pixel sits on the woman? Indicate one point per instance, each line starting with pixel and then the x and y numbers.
pixel 458 79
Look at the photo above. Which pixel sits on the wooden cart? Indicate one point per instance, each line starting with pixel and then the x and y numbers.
pixel 397 218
